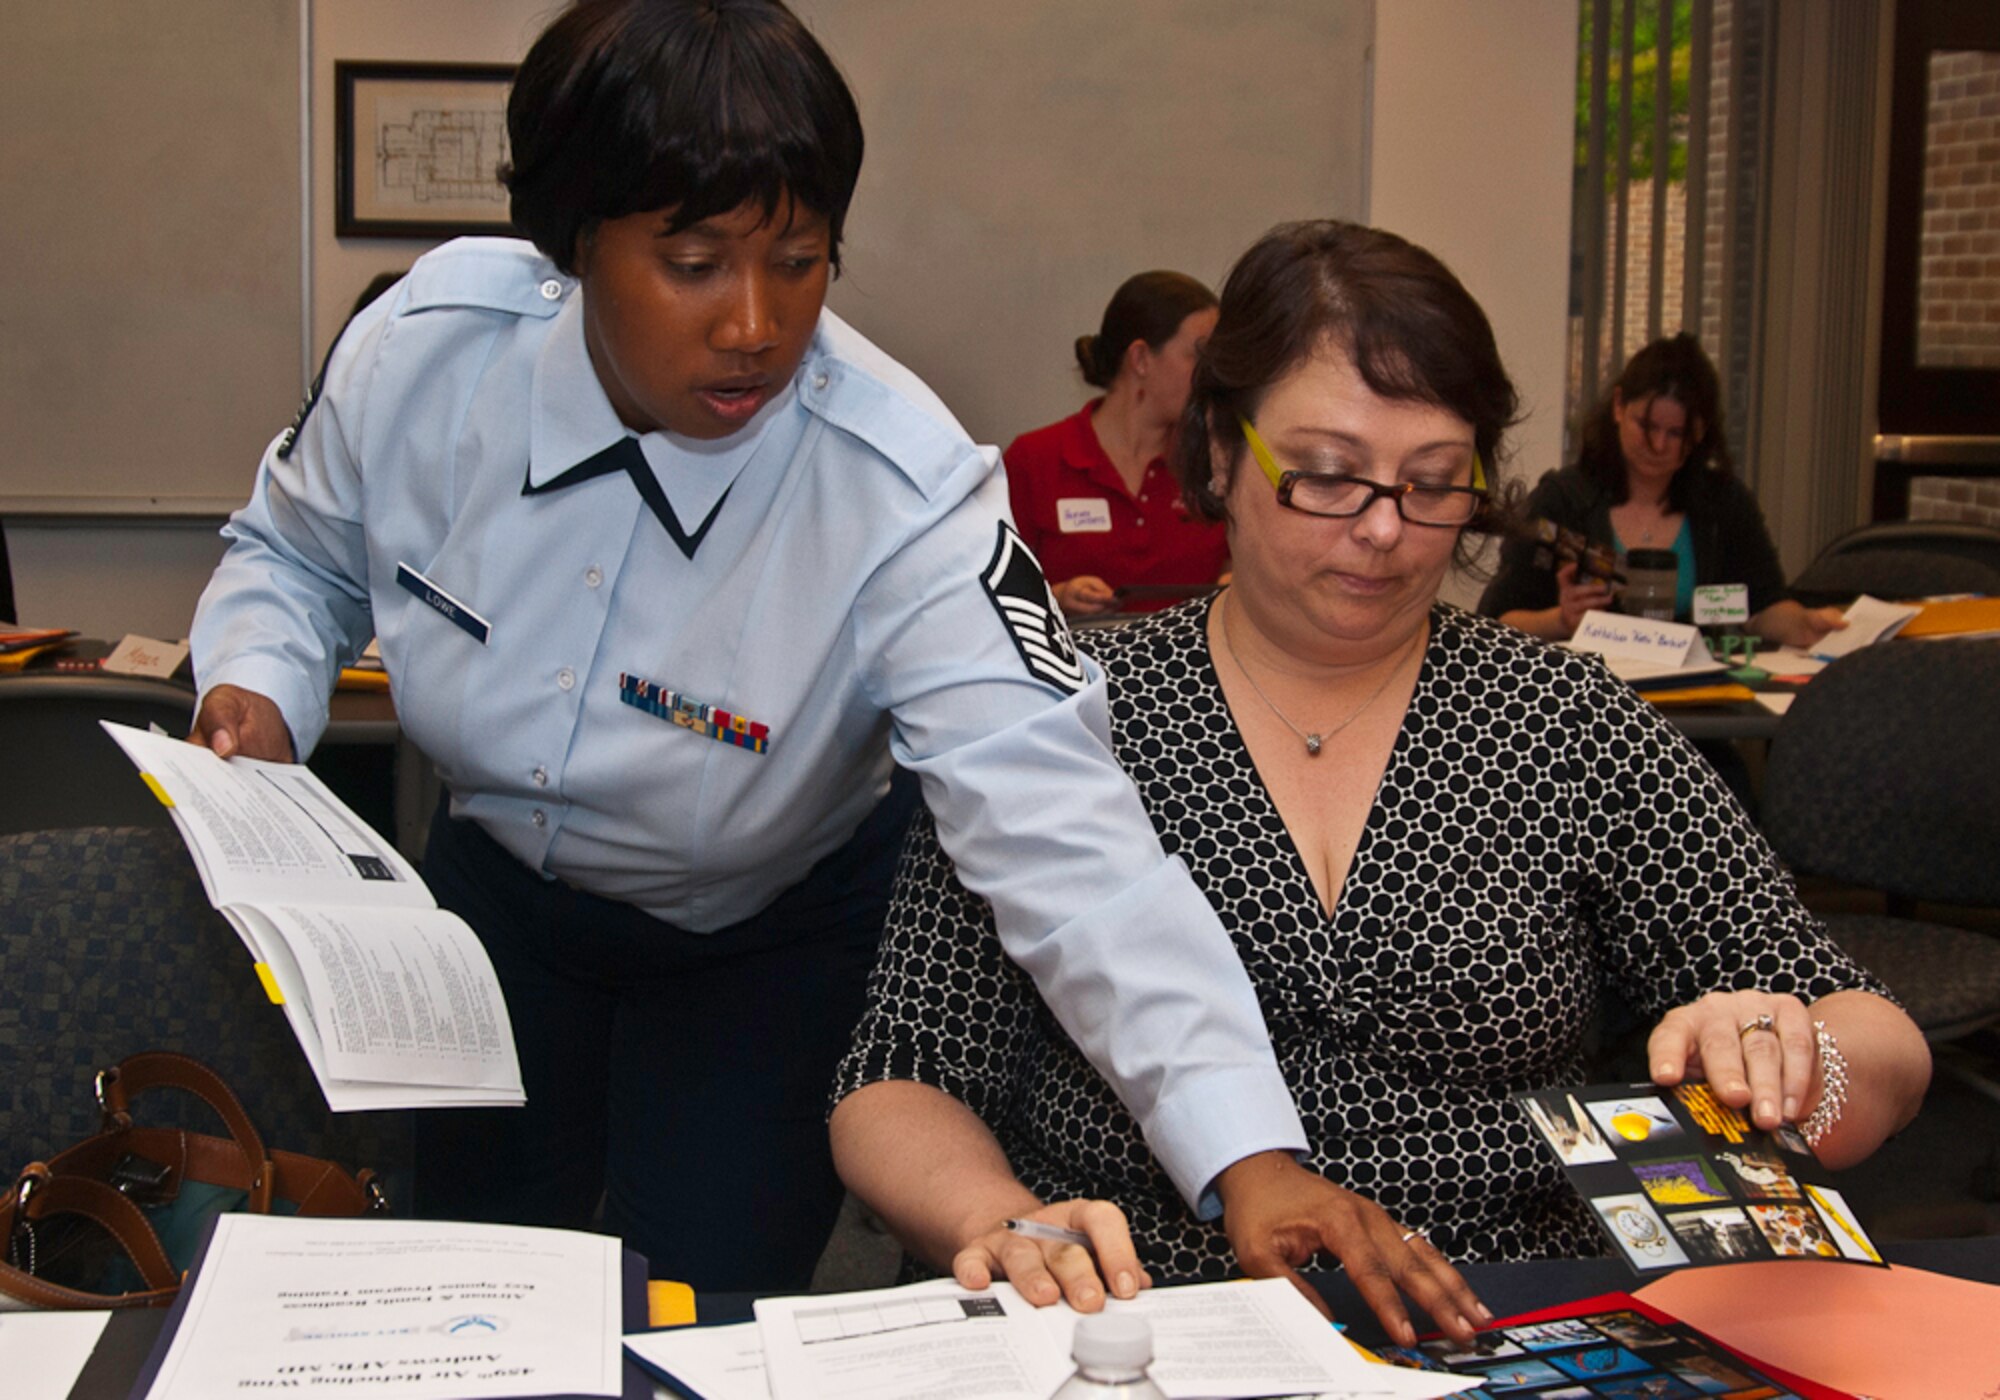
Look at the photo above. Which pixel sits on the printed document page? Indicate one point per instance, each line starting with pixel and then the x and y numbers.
pixel 716 1363
pixel 1252 1338
pixel 399 1310
pixel 43 1353
pixel 1869 620
pixel 270 831
pixel 928 1339
pixel 403 996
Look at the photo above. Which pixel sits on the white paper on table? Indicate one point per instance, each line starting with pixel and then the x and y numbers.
pixel 398 1309
pixel 1777 702
pixel 1869 620
pixel 1250 1339
pixel 716 1363
pixel 1790 661
pixel 926 1339
pixel 42 1353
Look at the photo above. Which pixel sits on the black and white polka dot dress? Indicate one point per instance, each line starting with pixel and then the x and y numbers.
pixel 1539 833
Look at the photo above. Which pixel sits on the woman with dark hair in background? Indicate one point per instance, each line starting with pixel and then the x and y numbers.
pixel 671 570
pixel 1093 495
pixel 1400 811
pixel 1655 473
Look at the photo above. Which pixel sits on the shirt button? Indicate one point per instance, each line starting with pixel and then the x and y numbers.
pixel 566 678
pixel 551 289
pixel 539 817
pixel 1142 520
pixel 593 576
pixel 819 381
pixel 541 777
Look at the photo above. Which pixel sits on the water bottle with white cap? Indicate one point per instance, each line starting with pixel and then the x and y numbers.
pixel 1112 1352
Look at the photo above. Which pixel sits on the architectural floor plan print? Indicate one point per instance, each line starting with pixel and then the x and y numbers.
pixel 439 155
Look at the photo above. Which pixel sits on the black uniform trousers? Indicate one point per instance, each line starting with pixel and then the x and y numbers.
pixel 681 1078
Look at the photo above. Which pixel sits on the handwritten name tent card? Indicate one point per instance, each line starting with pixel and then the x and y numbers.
pixel 1641 649
pixel 142 656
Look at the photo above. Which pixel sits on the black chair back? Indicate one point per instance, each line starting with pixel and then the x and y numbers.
pixel 62 769
pixel 1885 772
pixel 1904 559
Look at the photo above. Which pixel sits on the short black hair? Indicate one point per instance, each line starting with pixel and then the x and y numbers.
pixel 1676 368
pixel 1148 306
pixel 701 105
pixel 1409 326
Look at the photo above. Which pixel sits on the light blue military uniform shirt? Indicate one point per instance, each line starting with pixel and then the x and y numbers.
pixel 688 724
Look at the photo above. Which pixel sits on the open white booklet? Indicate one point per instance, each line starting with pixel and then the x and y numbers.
pixel 1230 1340
pixel 393 1000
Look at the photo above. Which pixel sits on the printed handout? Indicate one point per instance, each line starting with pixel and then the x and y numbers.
pixel 1210 1341
pixel 404 1310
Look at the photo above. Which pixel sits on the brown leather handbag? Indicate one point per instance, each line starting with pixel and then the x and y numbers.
pixel 113 1222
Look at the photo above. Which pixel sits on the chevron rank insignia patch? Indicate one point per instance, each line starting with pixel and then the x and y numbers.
pixel 1028 609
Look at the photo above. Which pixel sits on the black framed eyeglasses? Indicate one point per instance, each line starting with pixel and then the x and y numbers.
pixel 1340 497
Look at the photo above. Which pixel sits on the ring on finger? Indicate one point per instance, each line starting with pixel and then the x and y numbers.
pixel 1765 1022
pixel 1409 1235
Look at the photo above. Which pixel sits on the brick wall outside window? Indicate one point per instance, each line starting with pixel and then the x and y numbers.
pixel 1958 285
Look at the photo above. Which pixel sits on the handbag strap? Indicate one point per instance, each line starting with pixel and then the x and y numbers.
pixel 163 1069
pixel 38 1194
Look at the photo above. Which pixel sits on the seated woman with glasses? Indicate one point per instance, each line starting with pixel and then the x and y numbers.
pixel 1655 473
pixel 1435 842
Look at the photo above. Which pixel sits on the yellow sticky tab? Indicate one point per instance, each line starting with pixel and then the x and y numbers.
pixel 270 984
pixel 158 791
pixel 669 1304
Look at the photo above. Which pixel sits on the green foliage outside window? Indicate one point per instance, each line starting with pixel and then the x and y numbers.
pixel 1637 144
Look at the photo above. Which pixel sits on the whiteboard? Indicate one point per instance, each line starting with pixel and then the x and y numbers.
pixel 150 322
pixel 1025 157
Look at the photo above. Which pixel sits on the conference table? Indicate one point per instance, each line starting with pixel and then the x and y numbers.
pixel 1508 1289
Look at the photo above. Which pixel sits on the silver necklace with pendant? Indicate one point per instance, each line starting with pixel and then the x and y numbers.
pixel 1315 741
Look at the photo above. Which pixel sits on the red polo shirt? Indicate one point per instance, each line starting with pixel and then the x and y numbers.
pixel 1072 508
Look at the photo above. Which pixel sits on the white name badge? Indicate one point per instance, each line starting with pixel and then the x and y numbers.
pixel 1721 604
pixel 1082 515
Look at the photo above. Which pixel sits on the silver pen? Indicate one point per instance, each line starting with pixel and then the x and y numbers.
pixel 1055 1234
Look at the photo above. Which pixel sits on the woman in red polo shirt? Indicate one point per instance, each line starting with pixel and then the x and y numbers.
pixel 1093 495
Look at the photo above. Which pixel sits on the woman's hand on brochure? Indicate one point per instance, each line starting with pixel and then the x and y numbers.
pixel 1047 1271
pixel 238 721
pixel 1279 1214
pixel 1756 1050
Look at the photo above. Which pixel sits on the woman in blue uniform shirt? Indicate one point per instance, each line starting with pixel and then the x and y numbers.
pixel 667 562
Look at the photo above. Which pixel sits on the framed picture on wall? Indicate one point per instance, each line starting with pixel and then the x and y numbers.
pixel 417 149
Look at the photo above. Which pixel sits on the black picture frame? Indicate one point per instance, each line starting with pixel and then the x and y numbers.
pixel 403 170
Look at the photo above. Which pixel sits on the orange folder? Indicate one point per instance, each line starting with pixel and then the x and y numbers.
pixel 1894 1334
pixel 1961 615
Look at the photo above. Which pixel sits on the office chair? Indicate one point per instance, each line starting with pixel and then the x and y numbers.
pixel 1883 774
pixel 1903 559
pixel 108 947
pixel 61 769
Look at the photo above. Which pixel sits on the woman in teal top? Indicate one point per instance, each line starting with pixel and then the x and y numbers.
pixel 1654 473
